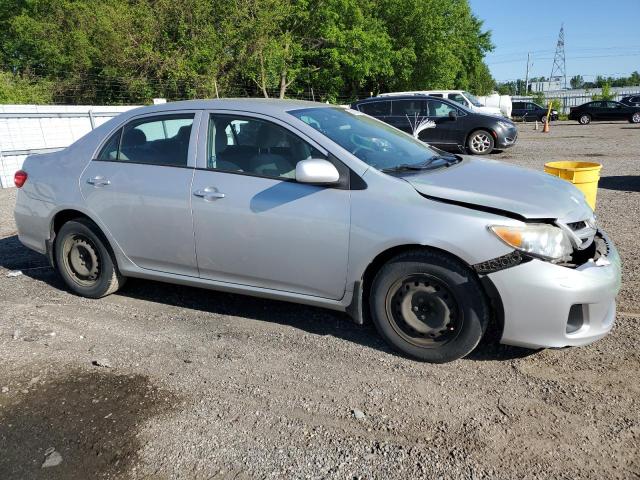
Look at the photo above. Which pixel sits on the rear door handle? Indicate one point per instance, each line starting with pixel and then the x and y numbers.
pixel 209 194
pixel 98 181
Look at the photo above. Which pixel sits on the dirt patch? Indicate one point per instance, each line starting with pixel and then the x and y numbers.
pixel 90 418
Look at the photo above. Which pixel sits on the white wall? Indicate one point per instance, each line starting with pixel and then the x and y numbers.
pixel 29 129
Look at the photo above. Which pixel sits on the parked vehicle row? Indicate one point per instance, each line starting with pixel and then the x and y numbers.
pixel 327 206
pixel 604 110
pixel 447 124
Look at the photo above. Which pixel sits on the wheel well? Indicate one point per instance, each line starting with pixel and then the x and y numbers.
pixel 491 293
pixel 493 134
pixel 63 217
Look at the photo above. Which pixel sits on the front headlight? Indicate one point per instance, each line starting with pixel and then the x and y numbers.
pixel 538 239
pixel 504 125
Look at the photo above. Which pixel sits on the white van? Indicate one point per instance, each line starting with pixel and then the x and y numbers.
pixel 464 98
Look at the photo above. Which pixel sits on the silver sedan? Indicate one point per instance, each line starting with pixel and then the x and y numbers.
pixel 325 206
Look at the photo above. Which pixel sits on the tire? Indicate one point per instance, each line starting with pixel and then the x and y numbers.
pixel 84 260
pixel 480 142
pixel 543 119
pixel 635 118
pixel 584 119
pixel 429 306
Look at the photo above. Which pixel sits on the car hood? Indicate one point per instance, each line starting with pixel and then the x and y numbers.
pixel 500 186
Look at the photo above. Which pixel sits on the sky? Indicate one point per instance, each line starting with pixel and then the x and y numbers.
pixel 601 38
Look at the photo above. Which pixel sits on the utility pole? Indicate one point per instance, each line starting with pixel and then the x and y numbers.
pixel 526 78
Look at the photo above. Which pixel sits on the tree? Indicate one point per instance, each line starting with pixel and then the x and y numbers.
pixel 20 89
pixel 112 51
pixel 606 93
pixel 576 81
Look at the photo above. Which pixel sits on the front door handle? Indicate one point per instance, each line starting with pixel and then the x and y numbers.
pixel 98 181
pixel 209 194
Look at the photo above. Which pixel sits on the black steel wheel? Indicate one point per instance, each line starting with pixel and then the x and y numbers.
pixel 84 260
pixel 423 310
pixel 429 305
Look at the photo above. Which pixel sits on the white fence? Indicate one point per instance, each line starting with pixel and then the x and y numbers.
pixel 31 129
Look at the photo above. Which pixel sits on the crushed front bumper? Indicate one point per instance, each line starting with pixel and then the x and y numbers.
pixel 547 305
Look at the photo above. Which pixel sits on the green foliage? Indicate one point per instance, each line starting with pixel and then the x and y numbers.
pixel 606 93
pixel 15 89
pixel 576 81
pixel 538 97
pixel 112 51
pixel 556 104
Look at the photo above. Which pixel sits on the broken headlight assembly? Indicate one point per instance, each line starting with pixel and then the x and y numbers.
pixel 537 239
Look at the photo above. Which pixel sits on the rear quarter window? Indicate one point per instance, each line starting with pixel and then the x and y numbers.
pixel 376 109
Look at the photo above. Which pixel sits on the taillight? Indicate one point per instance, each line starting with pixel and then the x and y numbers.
pixel 20 178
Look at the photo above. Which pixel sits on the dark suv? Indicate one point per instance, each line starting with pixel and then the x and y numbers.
pixel 445 124
pixel 631 100
pixel 530 111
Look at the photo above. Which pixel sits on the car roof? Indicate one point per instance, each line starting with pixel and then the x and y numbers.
pixel 388 98
pixel 267 106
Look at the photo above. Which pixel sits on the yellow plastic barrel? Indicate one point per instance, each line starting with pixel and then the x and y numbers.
pixel 584 175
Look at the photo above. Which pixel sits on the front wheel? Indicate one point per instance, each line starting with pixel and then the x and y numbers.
pixel 635 118
pixel 585 119
pixel 84 261
pixel 429 306
pixel 480 142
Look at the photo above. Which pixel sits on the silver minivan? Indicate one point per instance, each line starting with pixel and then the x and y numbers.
pixel 325 206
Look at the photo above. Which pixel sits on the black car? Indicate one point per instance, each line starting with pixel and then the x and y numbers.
pixel 604 110
pixel 530 111
pixel 631 100
pixel 444 124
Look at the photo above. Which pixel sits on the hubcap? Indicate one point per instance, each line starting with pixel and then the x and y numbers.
pixel 584 119
pixel 81 259
pixel 480 142
pixel 423 310
pixel 636 118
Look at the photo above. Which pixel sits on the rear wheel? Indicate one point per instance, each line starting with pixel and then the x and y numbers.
pixel 429 306
pixel 84 260
pixel 543 119
pixel 635 118
pixel 480 142
pixel 584 119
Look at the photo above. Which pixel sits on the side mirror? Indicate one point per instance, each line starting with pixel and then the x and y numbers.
pixel 316 171
pixel 453 114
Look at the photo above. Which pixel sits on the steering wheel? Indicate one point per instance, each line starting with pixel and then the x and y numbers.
pixel 360 145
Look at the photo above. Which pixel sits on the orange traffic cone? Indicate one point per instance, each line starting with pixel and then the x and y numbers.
pixel 545 127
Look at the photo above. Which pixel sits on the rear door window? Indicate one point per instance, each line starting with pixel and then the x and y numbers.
pixel 158 140
pixel 376 109
pixel 408 107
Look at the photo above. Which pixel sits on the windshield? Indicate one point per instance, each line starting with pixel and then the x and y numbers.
pixel 472 99
pixel 372 141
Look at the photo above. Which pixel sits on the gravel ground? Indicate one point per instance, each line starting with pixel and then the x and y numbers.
pixel 161 381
